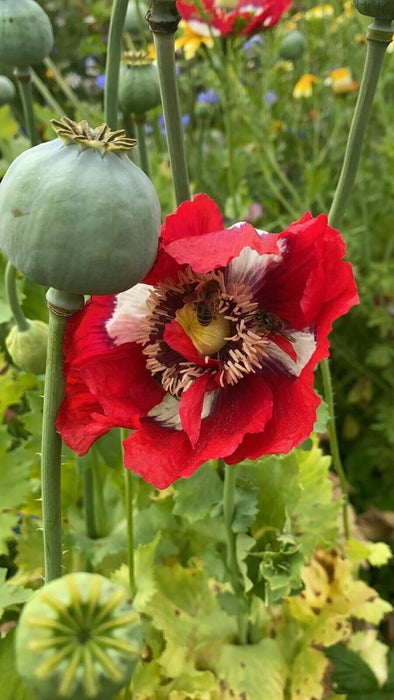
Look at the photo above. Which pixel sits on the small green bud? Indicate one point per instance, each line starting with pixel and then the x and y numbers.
pixel 292 46
pixel 78 638
pixel 7 90
pixel 139 88
pixel 28 348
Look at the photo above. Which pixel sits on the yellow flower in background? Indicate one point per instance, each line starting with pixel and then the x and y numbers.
pixel 190 41
pixel 320 12
pixel 390 48
pixel 304 86
pixel 341 81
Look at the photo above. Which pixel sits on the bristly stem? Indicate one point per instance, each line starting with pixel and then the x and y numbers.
pixel 230 475
pixel 24 84
pixel 378 37
pixel 163 18
pixel 13 301
pixel 61 305
pixel 129 495
pixel 114 51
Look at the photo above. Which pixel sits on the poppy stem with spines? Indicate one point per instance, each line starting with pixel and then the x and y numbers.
pixel 116 26
pixel 24 84
pixel 379 35
pixel 61 306
pixel 163 18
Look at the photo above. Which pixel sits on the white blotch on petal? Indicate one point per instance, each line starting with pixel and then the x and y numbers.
pixel 304 344
pixel 250 267
pixel 202 29
pixel 166 413
pixel 124 326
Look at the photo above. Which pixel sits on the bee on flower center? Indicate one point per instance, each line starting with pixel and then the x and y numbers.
pixel 268 323
pixel 206 299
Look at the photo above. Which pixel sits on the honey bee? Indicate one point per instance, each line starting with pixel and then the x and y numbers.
pixel 271 324
pixel 206 302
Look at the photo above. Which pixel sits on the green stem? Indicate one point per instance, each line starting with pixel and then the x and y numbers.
pixel 334 446
pixel 114 52
pixel 60 305
pixel 141 140
pixel 13 301
pixel 24 84
pixel 66 90
pixel 230 475
pixel 45 93
pixel 165 54
pixel 378 37
pixel 92 530
pixel 129 494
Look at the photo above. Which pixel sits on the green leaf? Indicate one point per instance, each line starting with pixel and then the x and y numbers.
pixel 14 473
pixel 8 521
pixel 10 594
pixel 194 497
pixel 250 672
pixel 146 586
pixel 12 687
pixel 13 385
pixel 351 675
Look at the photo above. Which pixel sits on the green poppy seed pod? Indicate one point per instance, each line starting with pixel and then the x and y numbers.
pixel 139 87
pixel 380 9
pixel 26 35
pixel 292 46
pixel 7 90
pixel 78 637
pixel 28 348
pixel 76 214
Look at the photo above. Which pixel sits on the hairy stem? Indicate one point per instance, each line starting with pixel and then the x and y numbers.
pixel 13 301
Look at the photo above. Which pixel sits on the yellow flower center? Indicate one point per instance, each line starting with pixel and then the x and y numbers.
pixel 209 335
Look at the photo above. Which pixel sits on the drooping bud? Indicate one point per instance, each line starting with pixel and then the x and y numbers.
pixel 139 88
pixel 28 348
pixel 78 637
pixel 26 35
pixel 77 214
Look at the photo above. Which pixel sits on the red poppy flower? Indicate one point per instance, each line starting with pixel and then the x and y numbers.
pixel 232 17
pixel 213 354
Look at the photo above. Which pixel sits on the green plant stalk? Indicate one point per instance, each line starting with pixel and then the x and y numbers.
pixel 12 297
pixel 66 90
pixel 165 54
pixel 376 49
pixel 118 16
pixel 88 480
pixel 61 305
pixel 24 85
pixel 129 494
pixel 45 93
pixel 378 37
pixel 141 142
pixel 230 475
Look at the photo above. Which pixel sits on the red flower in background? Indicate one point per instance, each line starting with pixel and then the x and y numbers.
pixel 213 355
pixel 236 17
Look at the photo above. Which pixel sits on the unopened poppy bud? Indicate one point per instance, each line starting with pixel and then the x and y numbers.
pixel 292 46
pixel 26 35
pixel 139 88
pixel 78 637
pixel 28 348
pixel 135 22
pixel 77 214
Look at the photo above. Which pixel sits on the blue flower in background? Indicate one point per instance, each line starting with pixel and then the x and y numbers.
pixel 100 81
pixel 271 97
pixel 208 97
pixel 185 119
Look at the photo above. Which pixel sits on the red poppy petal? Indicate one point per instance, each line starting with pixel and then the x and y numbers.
pixel 292 421
pixel 86 335
pixel 218 248
pixel 194 218
pixel 176 337
pixel 191 406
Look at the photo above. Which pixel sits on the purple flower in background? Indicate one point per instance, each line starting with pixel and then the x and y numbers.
pixel 208 97
pixel 100 81
pixel 249 44
pixel 271 97
pixel 185 119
